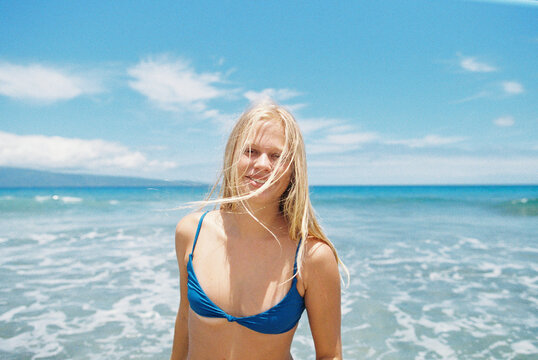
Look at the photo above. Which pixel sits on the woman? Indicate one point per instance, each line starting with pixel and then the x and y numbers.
pixel 250 268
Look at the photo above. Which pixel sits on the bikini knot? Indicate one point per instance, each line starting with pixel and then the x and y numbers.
pixel 230 317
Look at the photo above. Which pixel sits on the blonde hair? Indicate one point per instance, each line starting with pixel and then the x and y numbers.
pixel 295 201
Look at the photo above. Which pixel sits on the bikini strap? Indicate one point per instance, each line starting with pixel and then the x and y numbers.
pixel 198 231
pixel 295 263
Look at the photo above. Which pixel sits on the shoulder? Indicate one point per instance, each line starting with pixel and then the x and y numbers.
pixel 318 252
pixel 188 223
pixel 186 230
pixel 320 262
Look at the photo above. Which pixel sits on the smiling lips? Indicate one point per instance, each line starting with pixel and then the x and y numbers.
pixel 257 182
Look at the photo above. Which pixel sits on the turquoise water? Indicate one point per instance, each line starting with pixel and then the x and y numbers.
pixel 436 272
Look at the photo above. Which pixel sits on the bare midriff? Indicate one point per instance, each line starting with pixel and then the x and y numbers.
pixel 217 338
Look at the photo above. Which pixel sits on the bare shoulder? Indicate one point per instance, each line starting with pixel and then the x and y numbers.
pixel 320 262
pixel 318 252
pixel 188 223
pixel 185 231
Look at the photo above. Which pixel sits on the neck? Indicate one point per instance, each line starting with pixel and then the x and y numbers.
pixel 268 214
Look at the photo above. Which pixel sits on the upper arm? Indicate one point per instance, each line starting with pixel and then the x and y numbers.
pixel 184 238
pixel 322 300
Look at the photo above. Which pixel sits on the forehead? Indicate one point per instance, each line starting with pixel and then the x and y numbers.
pixel 268 133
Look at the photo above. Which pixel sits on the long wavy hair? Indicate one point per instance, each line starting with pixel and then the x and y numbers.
pixel 295 203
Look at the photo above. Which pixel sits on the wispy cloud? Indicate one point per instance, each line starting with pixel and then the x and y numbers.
pixel 55 152
pixel 504 121
pixel 336 136
pixel 275 94
pixel 512 87
pixel 431 140
pixel 331 135
pixel 496 91
pixel 480 95
pixel 512 2
pixel 43 83
pixel 340 142
pixel 425 169
pixel 311 125
pixel 223 121
pixel 279 95
pixel 356 138
pixel 173 84
pixel 473 65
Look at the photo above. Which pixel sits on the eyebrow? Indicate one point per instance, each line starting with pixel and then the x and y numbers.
pixel 272 149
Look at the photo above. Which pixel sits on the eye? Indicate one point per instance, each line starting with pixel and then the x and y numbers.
pixel 250 151
pixel 275 156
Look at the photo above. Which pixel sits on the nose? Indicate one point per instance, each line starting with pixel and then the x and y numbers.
pixel 263 163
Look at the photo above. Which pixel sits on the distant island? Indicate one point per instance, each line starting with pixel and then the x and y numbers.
pixel 11 177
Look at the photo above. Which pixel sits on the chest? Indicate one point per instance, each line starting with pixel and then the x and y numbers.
pixel 244 278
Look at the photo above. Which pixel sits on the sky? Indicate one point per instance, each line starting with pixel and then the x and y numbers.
pixel 385 92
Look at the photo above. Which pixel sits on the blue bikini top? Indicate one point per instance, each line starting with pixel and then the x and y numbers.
pixel 277 320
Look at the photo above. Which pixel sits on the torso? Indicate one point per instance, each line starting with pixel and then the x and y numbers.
pixel 243 277
pixel 217 339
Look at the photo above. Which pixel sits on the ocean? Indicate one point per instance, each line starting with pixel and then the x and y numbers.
pixel 437 272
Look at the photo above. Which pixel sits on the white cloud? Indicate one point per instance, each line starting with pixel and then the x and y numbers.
pixel 295 107
pixel 356 138
pixel 424 169
pixel 41 83
pixel 497 90
pixel 504 121
pixel 55 152
pixel 275 94
pixel 340 142
pixel 427 141
pixel 174 85
pixel 471 64
pixel 224 121
pixel 343 139
pixel 512 87
pixel 512 2
pixel 310 125
pixel 323 148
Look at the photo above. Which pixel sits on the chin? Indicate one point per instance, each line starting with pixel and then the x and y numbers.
pixel 269 196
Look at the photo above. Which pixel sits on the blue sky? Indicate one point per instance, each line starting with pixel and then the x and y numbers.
pixel 386 92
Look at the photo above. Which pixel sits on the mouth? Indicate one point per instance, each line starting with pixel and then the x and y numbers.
pixel 257 181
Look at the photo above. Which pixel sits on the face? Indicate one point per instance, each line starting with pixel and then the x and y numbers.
pixel 260 159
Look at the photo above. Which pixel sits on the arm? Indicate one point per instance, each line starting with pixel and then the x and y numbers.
pixel 184 239
pixel 322 300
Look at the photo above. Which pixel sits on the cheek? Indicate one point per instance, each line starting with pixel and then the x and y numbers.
pixel 242 165
pixel 286 178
